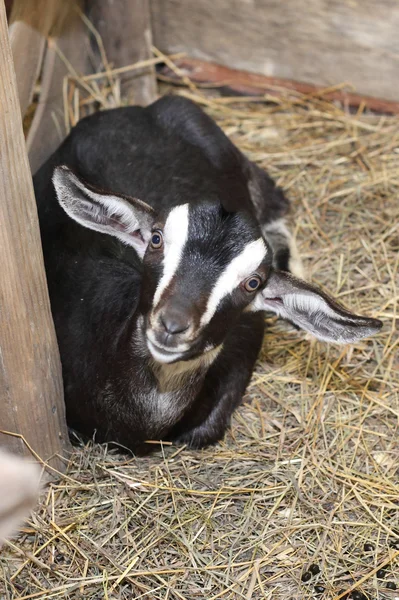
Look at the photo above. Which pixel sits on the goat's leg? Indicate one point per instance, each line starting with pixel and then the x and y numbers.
pixel 225 384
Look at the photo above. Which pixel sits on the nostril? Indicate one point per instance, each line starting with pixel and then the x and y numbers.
pixel 173 324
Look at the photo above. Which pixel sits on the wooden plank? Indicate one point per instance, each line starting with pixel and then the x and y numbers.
pixel 323 42
pixel 30 23
pixel 8 5
pixel 67 48
pixel 125 30
pixel 252 84
pixel 31 393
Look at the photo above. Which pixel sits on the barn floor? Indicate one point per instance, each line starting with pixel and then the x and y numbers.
pixel 309 473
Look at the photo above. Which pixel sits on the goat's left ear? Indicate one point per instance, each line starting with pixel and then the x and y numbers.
pixel 312 310
pixel 129 220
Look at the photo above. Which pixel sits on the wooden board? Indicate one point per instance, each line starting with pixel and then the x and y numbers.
pixel 67 48
pixel 125 31
pixel 30 23
pixel 234 81
pixel 8 5
pixel 31 394
pixel 324 42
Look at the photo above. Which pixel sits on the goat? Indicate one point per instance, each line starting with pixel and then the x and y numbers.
pixel 163 247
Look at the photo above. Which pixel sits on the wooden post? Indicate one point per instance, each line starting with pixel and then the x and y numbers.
pixel 125 30
pixel 30 23
pixel 67 45
pixel 31 396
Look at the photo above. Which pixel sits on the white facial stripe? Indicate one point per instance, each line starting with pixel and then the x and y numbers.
pixel 175 236
pixel 241 266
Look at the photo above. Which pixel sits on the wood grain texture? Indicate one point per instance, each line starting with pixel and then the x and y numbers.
pixel 253 84
pixel 68 40
pixel 29 25
pixel 323 42
pixel 8 5
pixel 31 393
pixel 28 48
pixel 125 30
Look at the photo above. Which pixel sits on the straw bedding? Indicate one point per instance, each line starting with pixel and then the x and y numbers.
pixel 309 472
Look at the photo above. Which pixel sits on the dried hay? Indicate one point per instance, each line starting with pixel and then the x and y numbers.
pixel 309 472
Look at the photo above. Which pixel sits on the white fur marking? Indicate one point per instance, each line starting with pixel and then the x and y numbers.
pixel 174 377
pixel 310 312
pixel 292 302
pixel 151 337
pixel 315 306
pixel 175 236
pixel 162 357
pixel 240 267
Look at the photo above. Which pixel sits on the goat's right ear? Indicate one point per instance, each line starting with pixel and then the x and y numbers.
pixel 312 310
pixel 129 220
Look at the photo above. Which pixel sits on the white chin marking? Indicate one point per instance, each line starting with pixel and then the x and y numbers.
pixel 162 357
pixel 175 236
pixel 239 268
pixel 180 349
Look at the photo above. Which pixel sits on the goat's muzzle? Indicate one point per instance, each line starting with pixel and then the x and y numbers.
pixel 171 334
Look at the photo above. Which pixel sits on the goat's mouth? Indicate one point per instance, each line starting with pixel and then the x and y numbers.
pixel 164 354
pixel 173 349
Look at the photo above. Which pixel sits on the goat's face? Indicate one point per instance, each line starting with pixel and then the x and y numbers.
pixel 203 267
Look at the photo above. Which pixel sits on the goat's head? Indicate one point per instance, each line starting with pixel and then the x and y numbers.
pixel 203 267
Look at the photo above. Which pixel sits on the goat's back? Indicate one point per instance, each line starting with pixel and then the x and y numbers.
pixel 166 154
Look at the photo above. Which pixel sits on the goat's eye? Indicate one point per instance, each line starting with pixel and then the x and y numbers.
pixel 156 239
pixel 252 283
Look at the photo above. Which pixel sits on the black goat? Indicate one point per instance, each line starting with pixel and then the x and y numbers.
pixel 158 303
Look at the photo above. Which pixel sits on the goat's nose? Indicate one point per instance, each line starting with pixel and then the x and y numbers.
pixel 175 323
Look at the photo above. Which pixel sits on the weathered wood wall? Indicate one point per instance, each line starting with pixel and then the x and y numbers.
pixel 54 38
pixel 31 394
pixel 324 42
pixel 66 52
pixel 30 24
pixel 125 30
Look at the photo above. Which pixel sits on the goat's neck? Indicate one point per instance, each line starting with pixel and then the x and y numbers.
pixel 173 377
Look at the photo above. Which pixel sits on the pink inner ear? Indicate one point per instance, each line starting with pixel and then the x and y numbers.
pixel 275 300
pixel 120 227
pixel 137 234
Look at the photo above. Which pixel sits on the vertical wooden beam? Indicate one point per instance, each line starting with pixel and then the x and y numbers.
pixel 30 23
pixel 31 394
pixel 8 5
pixel 125 30
pixel 67 49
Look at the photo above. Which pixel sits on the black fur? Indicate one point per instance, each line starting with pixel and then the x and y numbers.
pixel 167 154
